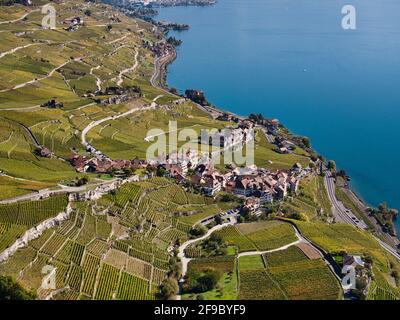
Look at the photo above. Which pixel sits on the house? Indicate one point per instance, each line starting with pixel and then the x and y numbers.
pixel 243 187
pixel 226 138
pixel 293 184
pixel 297 167
pixel 267 196
pixel 173 170
pixel 211 184
pixel 78 162
pixel 43 152
pixel 281 191
pixel 73 21
pixel 137 163
pixel 252 203
pixel 230 186
pixel 283 150
pixel 354 261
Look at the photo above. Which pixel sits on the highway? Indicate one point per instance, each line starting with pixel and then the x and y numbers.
pixel 340 212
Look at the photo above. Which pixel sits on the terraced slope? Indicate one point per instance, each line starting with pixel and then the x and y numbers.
pixel 112 248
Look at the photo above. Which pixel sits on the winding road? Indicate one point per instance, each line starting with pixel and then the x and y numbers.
pixel 3 54
pixel 98 122
pixel 120 79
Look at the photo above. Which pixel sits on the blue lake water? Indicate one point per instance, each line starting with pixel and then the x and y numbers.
pixel 292 60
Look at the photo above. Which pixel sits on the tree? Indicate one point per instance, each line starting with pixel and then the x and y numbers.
pixel 128 172
pixel 198 231
pixel 218 219
pixel 332 165
pixel 161 171
pixel 306 142
pixel 169 288
pixel 174 91
pixel 297 216
pixel 82 181
pixel 199 282
pixel 228 197
pixel 88 12
pixel 208 281
pixel 176 270
pixel 11 290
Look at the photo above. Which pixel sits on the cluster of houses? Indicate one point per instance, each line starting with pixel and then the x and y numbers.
pixel 73 23
pixel 259 186
pixel 98 164
pixel 284 146
pixel 161 48
pixel 228 137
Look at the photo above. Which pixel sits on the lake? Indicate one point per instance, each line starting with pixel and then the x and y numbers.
pixel 292 60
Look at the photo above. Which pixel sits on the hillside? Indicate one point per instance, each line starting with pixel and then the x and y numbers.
pixel 84 95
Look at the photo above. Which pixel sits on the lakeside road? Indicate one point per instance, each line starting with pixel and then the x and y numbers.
pixel 344 215
pixel 340 212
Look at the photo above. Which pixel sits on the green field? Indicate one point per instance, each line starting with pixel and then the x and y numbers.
pixel 265 154
pixel 226 288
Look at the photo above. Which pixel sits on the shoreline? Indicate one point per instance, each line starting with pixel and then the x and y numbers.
pixel 361 203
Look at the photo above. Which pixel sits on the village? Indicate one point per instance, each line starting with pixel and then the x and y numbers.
pixel 257 186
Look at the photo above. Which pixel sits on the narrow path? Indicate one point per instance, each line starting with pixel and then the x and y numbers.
pixel 21 109
pixel 3 54
pixel 19 86
pixel 148 138
pixel 119 39
pixel 181 250
pixel 98 122
pixel 254 253
pixel 19 19
pixel 128 70
pixel 158 97
pixel 98 80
